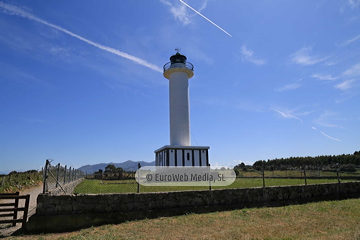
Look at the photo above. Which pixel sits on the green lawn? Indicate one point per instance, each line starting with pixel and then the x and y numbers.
pixel 92 186
pixel 320 221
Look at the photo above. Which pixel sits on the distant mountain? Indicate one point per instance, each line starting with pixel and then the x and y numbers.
pixel 127 166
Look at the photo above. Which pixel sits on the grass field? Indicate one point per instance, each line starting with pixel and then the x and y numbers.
pixel 321 220
pixel 92 186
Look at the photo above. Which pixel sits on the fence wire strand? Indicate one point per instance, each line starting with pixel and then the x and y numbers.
pixel 118 180
pixel 56 177
pixel 112 182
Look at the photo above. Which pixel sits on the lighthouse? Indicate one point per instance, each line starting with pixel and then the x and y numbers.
pixel 180 152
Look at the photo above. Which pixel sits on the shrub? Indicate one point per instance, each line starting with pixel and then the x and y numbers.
pixel 348 168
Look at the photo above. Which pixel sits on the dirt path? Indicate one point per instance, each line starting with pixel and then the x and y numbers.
pixel 34 192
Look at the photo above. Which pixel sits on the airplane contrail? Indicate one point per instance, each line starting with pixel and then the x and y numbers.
pixel 205 18
pixel 287 115
pixel 326 135
pixel 13 10
pixel 330 137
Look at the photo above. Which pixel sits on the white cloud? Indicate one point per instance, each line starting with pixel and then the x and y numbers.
pixel 33 120
pixel 324 77
pixel 345 85
pixel 353 3
pixel 350 40
pixel 14 73
pixel 180 14
pixel 330 63
pixel 288 87
pixel 324 118
pixel 248 55
pixel 353 71
pixel 354 18
pixel 179 11
pixel 203 6
pixel 305 113
pixel 303 57
pixel 288 115
pixel 346 98
pixel 197 53
pixel 13 10
pixel 249 106
pixel 314 128
pixel 55 50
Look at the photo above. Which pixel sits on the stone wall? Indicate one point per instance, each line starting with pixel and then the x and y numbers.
pixel 66 212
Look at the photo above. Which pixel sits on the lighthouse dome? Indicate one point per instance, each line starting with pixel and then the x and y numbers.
pixel 178 58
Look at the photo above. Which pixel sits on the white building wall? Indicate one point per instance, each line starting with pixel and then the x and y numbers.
pixel 179 109
pixel 200 156
pixel 203 158
pixel 172 157
pixel 188 161
pixel 196 157
pixel 179 157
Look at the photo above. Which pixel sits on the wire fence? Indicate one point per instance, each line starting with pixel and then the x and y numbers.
pixel 112 182
pixel 57 178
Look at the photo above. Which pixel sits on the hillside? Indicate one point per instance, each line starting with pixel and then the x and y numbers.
pixel 127 166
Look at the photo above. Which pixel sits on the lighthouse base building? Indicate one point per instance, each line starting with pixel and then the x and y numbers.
pixel 180 152
pixel 186 156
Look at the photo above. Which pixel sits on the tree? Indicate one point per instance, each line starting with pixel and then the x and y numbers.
pixel 110 168
pixel 120 171
pixel 242 165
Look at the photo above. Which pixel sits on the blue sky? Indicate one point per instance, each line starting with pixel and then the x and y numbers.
pixel 81 81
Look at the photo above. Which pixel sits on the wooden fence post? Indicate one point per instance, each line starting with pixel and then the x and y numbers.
pixel 45 176
pixel 209 177
pixel 16 207
pixel 57 175
pixel 337 174
pixel 65 175
pixel 138 185
pixel 69 174
pixel 27 203
pixel 305 175
pixel 263 175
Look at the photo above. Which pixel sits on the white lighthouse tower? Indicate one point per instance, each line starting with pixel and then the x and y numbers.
pixel 180 152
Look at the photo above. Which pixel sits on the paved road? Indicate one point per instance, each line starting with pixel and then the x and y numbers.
pixel 34 192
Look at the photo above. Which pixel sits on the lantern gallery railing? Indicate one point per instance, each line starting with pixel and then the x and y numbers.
pixel 187 66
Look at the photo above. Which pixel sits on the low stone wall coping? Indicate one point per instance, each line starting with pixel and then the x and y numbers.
pixel 128 206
